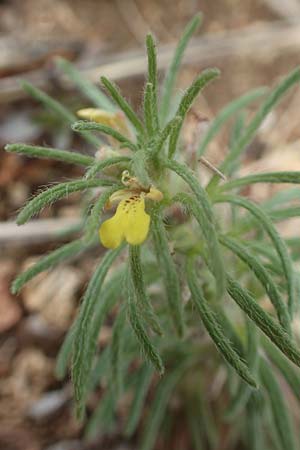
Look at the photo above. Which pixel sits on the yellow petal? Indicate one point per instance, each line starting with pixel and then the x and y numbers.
pixel 97 115
pixel 136 226
pixel 111 233
pixel 130 222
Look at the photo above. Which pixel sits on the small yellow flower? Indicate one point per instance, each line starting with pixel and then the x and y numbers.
pixel 130 221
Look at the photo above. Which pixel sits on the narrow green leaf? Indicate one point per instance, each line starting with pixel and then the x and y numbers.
pixel 53 194
pixel 94 94
pixel 102 420
pixel 169 273
pixel 289 372
pixel 136 322
pixel 64 355
pixel 35 151
pixel 244 392
pixel 123 104
pixel 214 259
pixel 282 197
pixel 139 288
pixel 254 424
pixel 263 276
pixel 277 215
pixel 81 363
pixel 140 392
pixel 171 75
pixel 149 114
pixel 211 324
pixel 158 408
pixel 117 342
pixel 152 77
pixel 279 244
pixel 225 114
pixel 273 98
pixel 82 125
pixel 100 368
pixel 100 165
pixel 269 177
pixel 237 128
pixel 205 414
pixel 279 407
pixel 59 255
pixel 193 421
pixel 229 329
pixel 164 134
pixel 263 320
pixel 186 102
pixel 203 212
pixel 110 294
pixel 59 110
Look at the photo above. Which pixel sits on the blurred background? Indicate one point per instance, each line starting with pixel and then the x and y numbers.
pixel 253 42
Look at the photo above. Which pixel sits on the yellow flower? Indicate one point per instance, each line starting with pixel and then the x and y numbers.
pixel 130 221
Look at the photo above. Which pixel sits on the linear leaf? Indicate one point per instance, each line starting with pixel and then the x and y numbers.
pixel 211 324
pixel 272 99
pixel 140 392
pixel 100 368
pixel 269 177
pixel 263 320
pixel 82 125
pixel 137 324
pixel 35 151
pixel 279 407
pixel 139 288
pixel 164 134
pixel 205 218
pixel 278 215
pixel 263 276
pixel 214 260
pixel 53 194
pixel 101 165
pixel 59 109
pixel 56 257
pixel 171 75
pixel 149 113
pixel 186 102
pixel 159 406
pixel 64 355
pixel 282 197
pixel 86 87
pixel 279 244
pixel 244 392
pixel 169 273
pixel 102 420
pixel 123 104
pixel 152 78
pixel 254 424
pixel 117 342
pixel 226 113
pixel 109 295
pixel 81 364
pixel 237 128
pixel 289 372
